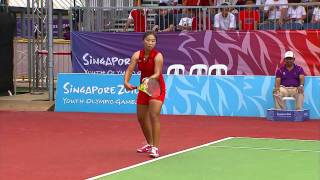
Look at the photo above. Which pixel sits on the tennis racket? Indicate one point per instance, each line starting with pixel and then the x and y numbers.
pixel 150 87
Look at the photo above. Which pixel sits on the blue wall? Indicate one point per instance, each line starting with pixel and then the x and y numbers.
pixel 186 95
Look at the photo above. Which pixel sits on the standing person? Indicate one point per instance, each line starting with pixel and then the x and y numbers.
pixel 198 22
pixel 289 82
pixel 66 34
pixel 137 17
pixel 190 2
pixel 249 17
pixel 150 62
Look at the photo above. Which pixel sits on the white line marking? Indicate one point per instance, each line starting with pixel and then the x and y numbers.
pixel 157 159
pixel 278 139
pixel 265 149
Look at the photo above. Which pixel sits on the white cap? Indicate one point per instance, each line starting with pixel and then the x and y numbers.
pixel 289 54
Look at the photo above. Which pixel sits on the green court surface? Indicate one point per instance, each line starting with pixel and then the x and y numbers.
pixel 233 159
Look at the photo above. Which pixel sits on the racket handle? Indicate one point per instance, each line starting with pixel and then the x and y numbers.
pixel 134 87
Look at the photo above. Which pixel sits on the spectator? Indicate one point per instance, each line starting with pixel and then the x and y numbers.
pixel 229 2
pixel 185 23
pixel 296 14
pixel 224 20
pixel 249 17
pixel 316 15
pixel 197 12
pixel 198 2
pixel 289 82
pixel 164 22
pixel 233 10
pixel 138 17
pixel 197 21
pixel 190 2
pixel 66 34
pixel 241 2
pixel 169 2
pixel 198 24
pixel 309 9
pixel 236 10
pixel 276 10
pixel 260 2
pixel 206 3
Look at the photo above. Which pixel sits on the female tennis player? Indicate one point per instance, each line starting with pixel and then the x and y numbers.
pixel 150 62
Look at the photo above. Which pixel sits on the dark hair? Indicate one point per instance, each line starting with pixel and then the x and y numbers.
pixel 67 28
pixel 294 1
pixel 225 6
pixel 149 33
pixel 162 4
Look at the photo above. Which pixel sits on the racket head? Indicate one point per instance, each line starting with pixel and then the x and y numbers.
pixel 150 87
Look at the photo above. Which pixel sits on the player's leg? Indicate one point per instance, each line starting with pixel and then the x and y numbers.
pixel 144 121
pixel 154 110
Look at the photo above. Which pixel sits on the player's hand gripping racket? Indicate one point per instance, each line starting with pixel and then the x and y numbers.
pixel 151 87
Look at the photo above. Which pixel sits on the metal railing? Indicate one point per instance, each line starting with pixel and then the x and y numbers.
pixel 195 18
pixel 61 53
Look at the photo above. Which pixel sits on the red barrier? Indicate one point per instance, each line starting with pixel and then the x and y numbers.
pixel 44 52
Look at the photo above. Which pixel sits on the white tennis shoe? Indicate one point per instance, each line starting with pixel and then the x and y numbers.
pixel 154 153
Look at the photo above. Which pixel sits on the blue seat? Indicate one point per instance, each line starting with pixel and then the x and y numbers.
pixel 292 26
pixel 268 26
pixel 307 26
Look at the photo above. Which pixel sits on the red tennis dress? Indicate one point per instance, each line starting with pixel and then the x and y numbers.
pixel 146 66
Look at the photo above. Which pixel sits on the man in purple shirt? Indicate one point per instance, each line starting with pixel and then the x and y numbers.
pixel 289 82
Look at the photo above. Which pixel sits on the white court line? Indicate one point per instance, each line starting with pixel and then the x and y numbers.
pixel 307 140
pixel 157 159
pixel 265 149
pixel 271 149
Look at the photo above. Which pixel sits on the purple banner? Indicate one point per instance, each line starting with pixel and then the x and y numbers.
pixel 244 53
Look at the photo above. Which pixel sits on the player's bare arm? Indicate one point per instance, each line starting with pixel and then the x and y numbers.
pixel 129 71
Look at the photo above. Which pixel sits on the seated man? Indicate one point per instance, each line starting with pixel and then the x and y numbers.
pixel 224 20
pixel 276 10
pixel 296 14
pixel 169 2
pixel 185 23
pixel 289 82
pixel 316 15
